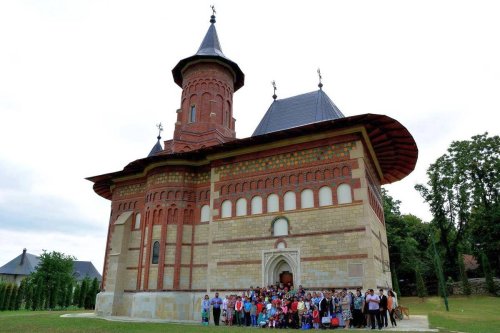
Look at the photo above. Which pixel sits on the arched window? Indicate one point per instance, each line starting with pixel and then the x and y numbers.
pixel 325 196
pixel 281 245
pixel 306 199
pixel 241 207
pixel 156 252
pixel 192 114
pixel 137 224
pixel 280 227
pixel 290 201
pixel 256 205
pixel 205 213
pixel 344 195
pixel 273 203
pixel 226 209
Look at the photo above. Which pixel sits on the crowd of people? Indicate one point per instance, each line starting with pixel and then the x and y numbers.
pixel 286 307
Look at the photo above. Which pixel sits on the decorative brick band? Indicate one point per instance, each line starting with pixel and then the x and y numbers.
pixel 239 262
pixel 187 265
pixel 134 248
pixel 339 257
pixel 187 244
pixel 306 234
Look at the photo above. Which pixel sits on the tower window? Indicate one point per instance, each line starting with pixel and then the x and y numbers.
pixel 156 252
pixel 192 114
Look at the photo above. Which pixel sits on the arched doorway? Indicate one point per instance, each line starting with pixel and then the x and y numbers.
pixel 281 266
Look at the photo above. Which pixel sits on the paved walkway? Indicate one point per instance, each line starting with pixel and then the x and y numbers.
pixel 415 324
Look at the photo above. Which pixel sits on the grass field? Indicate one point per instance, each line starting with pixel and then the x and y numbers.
pixel 472 315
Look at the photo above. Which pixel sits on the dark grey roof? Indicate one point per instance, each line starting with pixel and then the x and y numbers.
pixel 210 49
pixel 156 149
pixel 210 46
pixel 82 269
pixel 296 111
pixel 14 267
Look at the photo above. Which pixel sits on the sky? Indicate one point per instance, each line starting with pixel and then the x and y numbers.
pixel 84 83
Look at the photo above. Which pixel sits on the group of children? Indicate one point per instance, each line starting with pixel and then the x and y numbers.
pixel 286 307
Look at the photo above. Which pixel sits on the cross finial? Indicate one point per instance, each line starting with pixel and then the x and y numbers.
pixel 274 87
pixel 160 129
pixel 212 18
pixel 320 85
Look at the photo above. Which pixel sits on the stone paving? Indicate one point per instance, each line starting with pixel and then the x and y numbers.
pixel 414 324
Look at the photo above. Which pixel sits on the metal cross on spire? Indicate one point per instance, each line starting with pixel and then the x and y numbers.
pixel 320 85
pixel 160 129
pixel 274 87
pixel 212 18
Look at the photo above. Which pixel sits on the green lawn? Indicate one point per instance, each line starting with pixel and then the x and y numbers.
pixel 473 315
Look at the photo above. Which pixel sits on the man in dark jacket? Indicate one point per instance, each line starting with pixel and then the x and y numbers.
pixel 383 308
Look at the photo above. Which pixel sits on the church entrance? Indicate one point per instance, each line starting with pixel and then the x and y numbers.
pixel 281 266
pixel 286 278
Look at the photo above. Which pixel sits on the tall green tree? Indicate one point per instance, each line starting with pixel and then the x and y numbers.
pixel 463 275
pixel 407 238
pixel 488 275
pixel 421 288
pixel 3 287
pixel 463 194
pixel 54 272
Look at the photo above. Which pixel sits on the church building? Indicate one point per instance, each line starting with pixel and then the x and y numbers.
pixel 297 202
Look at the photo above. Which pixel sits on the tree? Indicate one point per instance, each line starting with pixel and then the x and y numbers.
pixel 28 300
pixel 421 289
pixel 488 275
pixel 8 295
pixel 13 297
pixel 83 293
pixel 463 275
pixel 407 238
pixel 21 294
pixel 76 295
pixel 463 195
pixel 3 287
pixel 54 272
pixel 92 294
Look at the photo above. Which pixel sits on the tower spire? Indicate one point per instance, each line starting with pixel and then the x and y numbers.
pixel 212 18
pixel 320 85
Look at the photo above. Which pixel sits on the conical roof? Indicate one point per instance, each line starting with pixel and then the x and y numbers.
pixel 297 111
pixel 210 50
pixel 156 148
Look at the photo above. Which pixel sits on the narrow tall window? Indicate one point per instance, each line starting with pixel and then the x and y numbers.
pixel 156 252
pixel 256 205
pixel 241 207
pixel 307 199
pixel 325 196
pixel 137 221
pixel 344 194
pixel 192 114
pixel 226 208
pixel 290 201
pixel 205 213
pixel 273 203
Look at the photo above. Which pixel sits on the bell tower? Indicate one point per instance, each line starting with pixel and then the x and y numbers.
pixel 208 80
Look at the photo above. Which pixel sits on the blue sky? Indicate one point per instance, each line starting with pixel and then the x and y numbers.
pixel 83 84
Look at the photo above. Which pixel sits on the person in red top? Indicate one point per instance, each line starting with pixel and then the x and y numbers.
pixel 294 313
pixel 259 307
pixel 316 319
pixel 238 307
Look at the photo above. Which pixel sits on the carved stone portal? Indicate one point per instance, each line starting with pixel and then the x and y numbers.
pixel 275 262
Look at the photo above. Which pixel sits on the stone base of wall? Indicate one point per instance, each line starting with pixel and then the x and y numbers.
pixel 182 306
pixel 477 286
